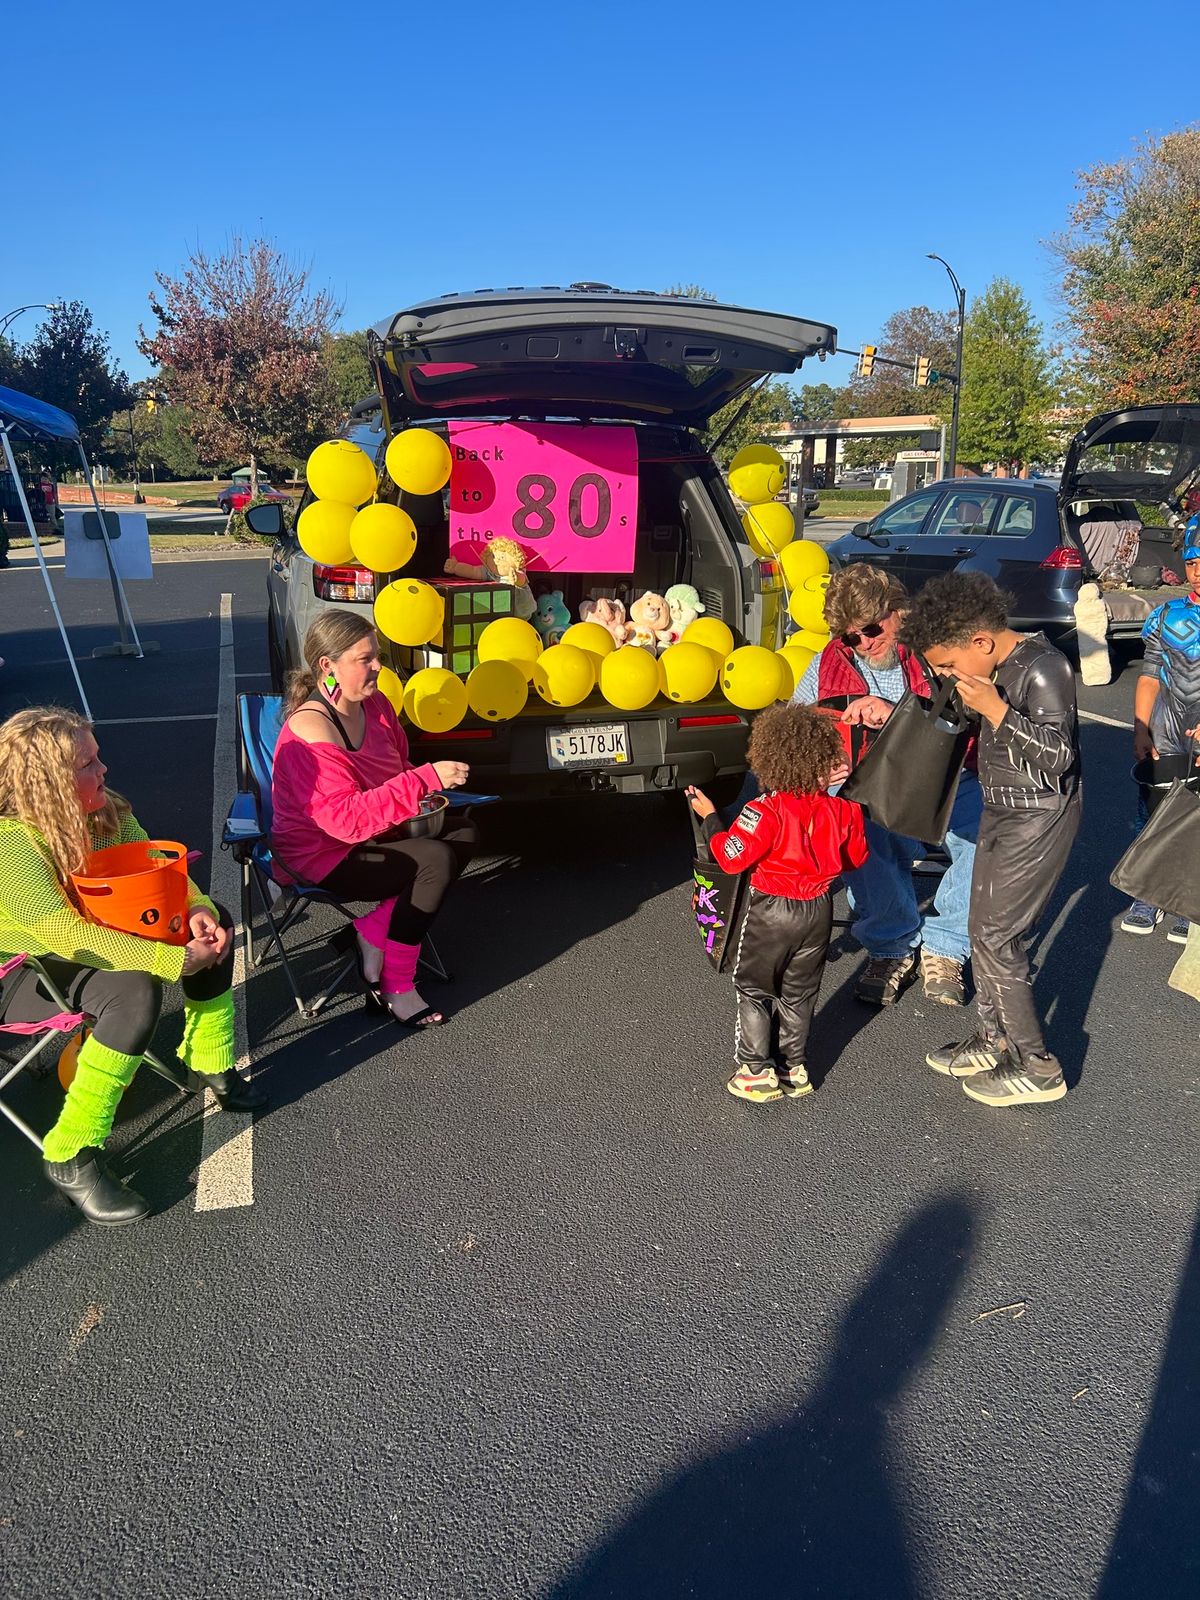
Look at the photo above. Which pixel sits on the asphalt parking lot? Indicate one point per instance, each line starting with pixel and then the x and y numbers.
pixel 530 1307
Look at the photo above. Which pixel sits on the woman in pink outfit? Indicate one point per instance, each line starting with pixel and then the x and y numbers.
pixel 342 784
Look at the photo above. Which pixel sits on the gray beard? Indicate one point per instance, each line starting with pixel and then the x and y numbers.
pixel 880 663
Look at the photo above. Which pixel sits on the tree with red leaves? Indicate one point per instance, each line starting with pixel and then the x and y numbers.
pixel 1130 262
pixel 241 341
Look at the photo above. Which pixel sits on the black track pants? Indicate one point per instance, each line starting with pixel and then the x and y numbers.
pixel 1018 861
pixel 416 871
pixel 780 961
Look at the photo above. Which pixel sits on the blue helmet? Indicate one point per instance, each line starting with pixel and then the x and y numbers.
pixel 1191 539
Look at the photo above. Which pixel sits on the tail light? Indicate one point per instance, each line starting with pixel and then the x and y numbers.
pixel 709 722
pixel 454 734
pixel 343 583
pixel 1065 558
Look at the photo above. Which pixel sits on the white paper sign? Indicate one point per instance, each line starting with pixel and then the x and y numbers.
pixel 131 550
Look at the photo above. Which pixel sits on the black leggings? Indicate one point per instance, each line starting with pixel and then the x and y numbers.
pixel 124 1006
pixel 417 871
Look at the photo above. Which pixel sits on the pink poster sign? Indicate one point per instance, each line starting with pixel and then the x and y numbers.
pixel 566 492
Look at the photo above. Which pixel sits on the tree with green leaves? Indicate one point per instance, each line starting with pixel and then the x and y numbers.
pixel 820 402
pixel 353 379
pixel 69 364
pixel 890 392
pixel 244 339
pixel 1008 387
pixel 1130 276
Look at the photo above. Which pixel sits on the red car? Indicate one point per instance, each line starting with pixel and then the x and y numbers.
pixel 236 496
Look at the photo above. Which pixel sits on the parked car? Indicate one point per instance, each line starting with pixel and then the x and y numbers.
pixel 1036 538
pixel 661 365
pixel 857 478
pixel 236 496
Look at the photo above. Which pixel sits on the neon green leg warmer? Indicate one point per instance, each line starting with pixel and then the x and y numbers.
pixel 101 1077
pixel 208 1034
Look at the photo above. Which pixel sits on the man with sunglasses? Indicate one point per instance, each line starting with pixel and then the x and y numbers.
pixel 865 672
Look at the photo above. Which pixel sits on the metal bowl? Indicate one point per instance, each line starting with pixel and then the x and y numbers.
pixel 428 822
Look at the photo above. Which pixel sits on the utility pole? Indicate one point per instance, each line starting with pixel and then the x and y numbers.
pixel 960 298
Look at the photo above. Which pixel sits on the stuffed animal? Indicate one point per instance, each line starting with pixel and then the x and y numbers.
pixel 608 613
pixel 649 622
pixel 684 604
pixel 501 561
pixel 552 617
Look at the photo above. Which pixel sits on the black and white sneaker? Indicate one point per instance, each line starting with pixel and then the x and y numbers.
pixel 965 1059
pixel 1013 1083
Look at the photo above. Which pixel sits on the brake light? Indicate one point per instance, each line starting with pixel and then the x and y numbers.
pixel 343 583
pixel 1066 557
pixel 456 733
pixel 708 722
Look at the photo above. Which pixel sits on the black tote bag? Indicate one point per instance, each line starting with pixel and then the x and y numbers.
pixel 718 900
pixel 908 779
pixel 1162 865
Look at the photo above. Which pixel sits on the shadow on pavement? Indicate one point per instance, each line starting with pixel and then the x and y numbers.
pixel 1155 1551
pixel 806 1507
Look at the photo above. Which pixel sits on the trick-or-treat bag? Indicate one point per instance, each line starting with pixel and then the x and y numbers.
pixel 1162 865
pixel 908 779
pixel 718 900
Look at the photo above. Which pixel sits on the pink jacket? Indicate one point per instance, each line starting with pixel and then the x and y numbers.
pixel 326 799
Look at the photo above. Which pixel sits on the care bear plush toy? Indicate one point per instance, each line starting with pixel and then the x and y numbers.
pixel 684 604
pixel 552 617
pixel 649 622
pixel 609 614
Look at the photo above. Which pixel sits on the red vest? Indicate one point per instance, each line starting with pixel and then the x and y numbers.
pixel 840 674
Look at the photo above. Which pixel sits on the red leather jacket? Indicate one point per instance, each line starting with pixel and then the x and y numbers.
pixel 797 844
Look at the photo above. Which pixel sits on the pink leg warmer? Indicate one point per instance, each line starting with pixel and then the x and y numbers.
pixel 399 967
pixel 373 926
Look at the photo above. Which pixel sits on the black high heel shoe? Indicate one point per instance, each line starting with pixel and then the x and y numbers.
pixel 418 1022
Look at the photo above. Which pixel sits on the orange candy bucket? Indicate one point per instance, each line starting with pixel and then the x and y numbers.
pixel 138 888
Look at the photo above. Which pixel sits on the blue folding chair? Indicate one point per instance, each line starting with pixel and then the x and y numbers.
pixel 247 834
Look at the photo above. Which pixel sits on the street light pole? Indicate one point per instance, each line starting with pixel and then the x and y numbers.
pixel 11 316
pixel 960 296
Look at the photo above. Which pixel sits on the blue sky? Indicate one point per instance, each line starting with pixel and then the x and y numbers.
pixel 800 158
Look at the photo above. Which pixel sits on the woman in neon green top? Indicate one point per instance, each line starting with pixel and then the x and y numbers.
pixel 54 810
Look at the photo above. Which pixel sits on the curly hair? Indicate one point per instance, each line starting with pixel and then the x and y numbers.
pixel 39 749
pixel 861 594
pixel 953 608
pixel 793 749
pixel 331 634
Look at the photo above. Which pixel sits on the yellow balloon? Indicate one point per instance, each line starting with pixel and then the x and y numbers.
pixel 418 461
pixel 797 659
pixel 807 639
pixel 383 537
pixel 687 672
pixel 756 455
pixel 802 559
pixel 757 481
pixel 564 675
pixel 750 677
pixel 807 604
pixel 409 612
pixel 497 690
pixel 629 678
pixel 390 685
pixel 792 665
pixel 439 699
pixel 324 532
pixel 511 639
pixel 769 528
pixel 341 471
pixel 590 636
pixel 712 633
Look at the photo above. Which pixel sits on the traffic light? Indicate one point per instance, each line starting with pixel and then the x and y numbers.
pixel 866 360
pixel 923 377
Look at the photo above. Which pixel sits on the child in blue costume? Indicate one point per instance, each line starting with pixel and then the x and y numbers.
pixel 1167 702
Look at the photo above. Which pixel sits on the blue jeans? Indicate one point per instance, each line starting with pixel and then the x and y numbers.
pixel 882 895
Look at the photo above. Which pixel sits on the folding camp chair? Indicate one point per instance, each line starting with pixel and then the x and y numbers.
pixel 247 834
pixel 43 1033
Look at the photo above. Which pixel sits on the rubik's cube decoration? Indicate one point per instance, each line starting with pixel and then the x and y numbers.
pixel 469 609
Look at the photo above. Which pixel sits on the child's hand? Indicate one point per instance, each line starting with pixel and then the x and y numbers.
pixel 982 695
pixel 699 802
pixel 839 774
pixel 1143 743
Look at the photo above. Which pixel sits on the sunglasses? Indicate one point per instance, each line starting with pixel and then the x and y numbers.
pixel 871 631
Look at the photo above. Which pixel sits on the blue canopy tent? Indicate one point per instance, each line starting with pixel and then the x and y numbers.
pixel 26 420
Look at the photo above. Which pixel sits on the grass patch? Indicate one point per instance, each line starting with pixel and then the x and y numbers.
pixel 865 497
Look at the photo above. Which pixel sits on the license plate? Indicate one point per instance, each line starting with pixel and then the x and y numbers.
pixel 603 745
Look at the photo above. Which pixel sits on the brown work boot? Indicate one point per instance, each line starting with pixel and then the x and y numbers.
pixel 943 979
pixel 883 977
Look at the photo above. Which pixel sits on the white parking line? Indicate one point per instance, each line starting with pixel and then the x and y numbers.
pixel 1109 722
pixel 226 1175
pixel 129 722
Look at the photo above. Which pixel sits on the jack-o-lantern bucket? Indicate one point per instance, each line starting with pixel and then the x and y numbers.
pixel 138 888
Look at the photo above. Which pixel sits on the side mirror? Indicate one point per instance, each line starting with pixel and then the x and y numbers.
pixel 859 530
pixel 266 520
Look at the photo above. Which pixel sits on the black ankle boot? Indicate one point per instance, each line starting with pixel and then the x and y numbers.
pixel 88 1184
pixel 233 1093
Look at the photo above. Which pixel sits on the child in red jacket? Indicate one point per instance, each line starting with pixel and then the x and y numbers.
pixel 795 839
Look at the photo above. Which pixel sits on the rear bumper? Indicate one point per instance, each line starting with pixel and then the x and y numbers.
pixel 665 752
